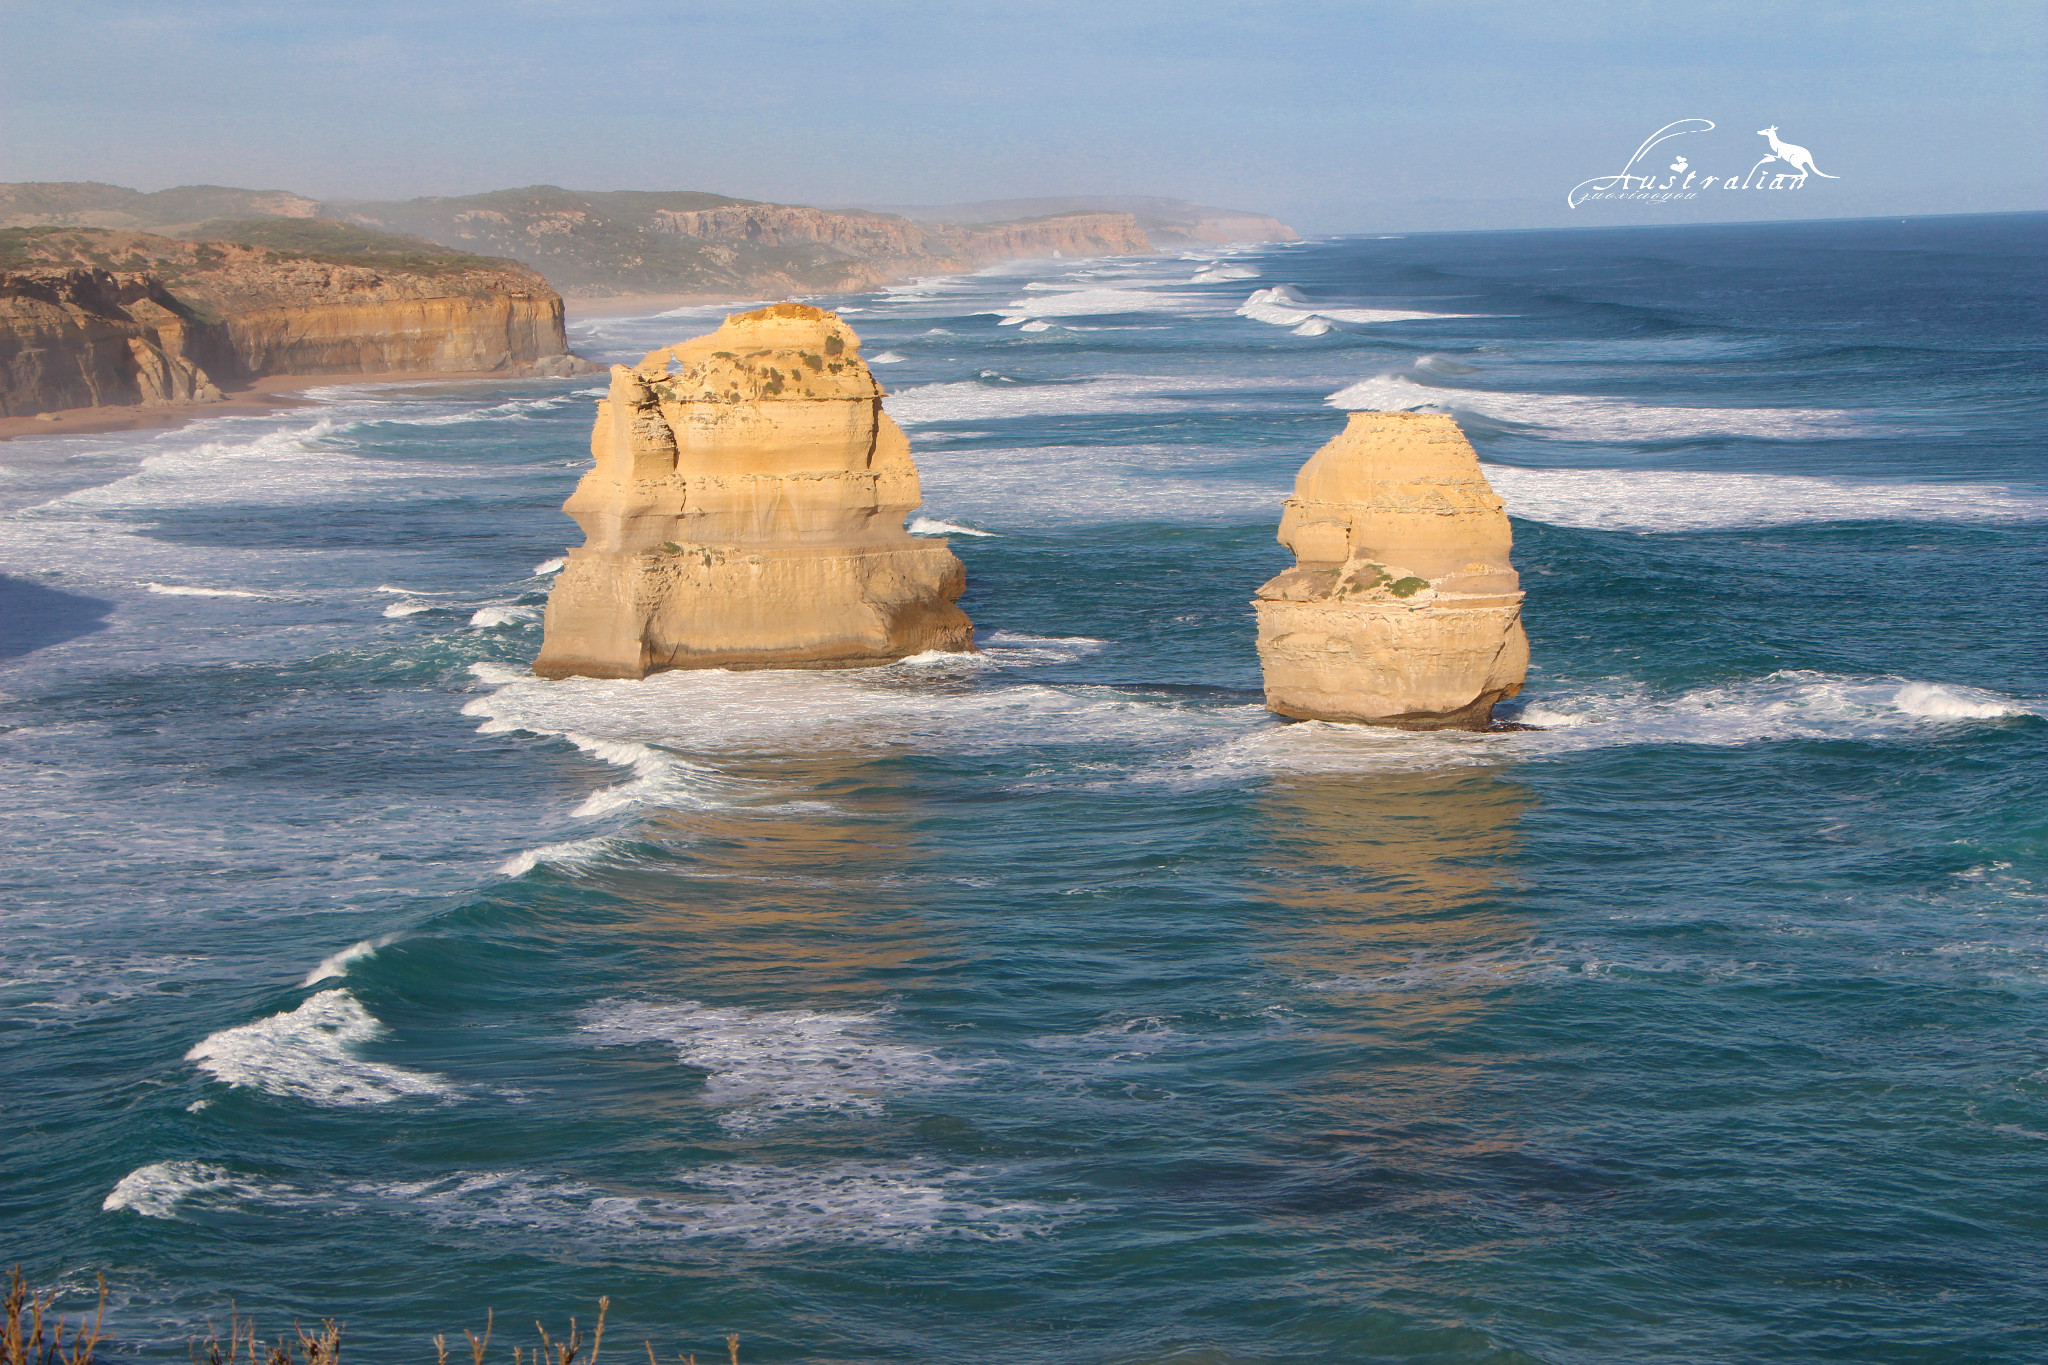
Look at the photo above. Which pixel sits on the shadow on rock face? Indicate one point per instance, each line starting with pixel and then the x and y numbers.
pixel 33 617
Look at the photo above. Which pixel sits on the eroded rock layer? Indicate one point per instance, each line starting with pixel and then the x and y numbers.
pixel 746 511
pixel 93 318
pixel 1402 608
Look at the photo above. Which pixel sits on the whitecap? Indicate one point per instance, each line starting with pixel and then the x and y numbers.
pixel 1217 274
pixel 392 590
pixel 156 1190
pixel 886 358
pixel 1785 706
pixel 309 1054
pixel 1682 500
pixel 706 711
pixel 337 964
pixel 548 566
pixel 764 1067
pixel 573 854
pixel 1314 327
pixel 1284 306
pixel 1036 326
pixel 174 590
pixel 928 526
pixel 971 401
pixel 1945 701
pixel 1577 417
pixel 1062 302
pixel 398 609
pixel 1013 648
pixel 487 618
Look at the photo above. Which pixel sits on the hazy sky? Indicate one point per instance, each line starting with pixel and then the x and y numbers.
pixel 1333 116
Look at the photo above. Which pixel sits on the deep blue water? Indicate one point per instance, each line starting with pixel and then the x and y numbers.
pixel 1063 1005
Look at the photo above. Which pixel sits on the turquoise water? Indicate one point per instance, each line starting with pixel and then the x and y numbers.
pixel 1061 1004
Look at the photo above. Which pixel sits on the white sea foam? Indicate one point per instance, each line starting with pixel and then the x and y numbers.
pixel 1314 327
pixel 767 1066
pixel 174 590
pixel 1949 702
pixel 337 964
pixel 969 401
pixel 755 1205
pixel 548 566
pixel 1011 648
pixel 1284 306
pixel 1217 274
pixel 659 777
pixel 707 712
pixel 1579 418
pixel 572 854
pixel 392 590
pixel 859 1202
pixel 309 1054
pixel 1791 705
pixel 928 526
pixel 156 1190
pixel 408 608
pixel 487 618
pixel 886 358
pixel 1033 485
pixel 1036 326
pixel 1059 301
pixel 1679 500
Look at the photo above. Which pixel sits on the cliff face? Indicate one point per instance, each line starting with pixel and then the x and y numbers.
pixel 745 510
pixel 173 321
pixel 1165 222
pixel 629 242
pixel 82 337
pixel 1403 608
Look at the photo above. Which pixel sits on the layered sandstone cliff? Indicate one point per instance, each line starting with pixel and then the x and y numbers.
pixel 1403 608
pixel 745 510
pixel 670 242
pixel 630 242
pixel 84 337
pixel 92 318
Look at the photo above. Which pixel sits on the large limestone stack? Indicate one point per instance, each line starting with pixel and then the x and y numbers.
pixel 1402 608
pixel 746 511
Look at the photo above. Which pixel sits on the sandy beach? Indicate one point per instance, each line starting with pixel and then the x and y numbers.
pixel 628 305
pixel 272 393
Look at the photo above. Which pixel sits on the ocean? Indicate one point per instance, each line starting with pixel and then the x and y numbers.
pixel 1060 1004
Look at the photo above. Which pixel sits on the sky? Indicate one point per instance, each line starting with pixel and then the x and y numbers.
pixel 1335 117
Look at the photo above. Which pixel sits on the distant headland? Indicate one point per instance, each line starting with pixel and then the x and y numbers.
pixel 115 298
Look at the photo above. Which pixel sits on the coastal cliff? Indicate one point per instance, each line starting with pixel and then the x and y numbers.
pixel 1165 222
pixel 1403 608
pixel 681 242
pixel 624 243
pixel 745 510
pixel 94 318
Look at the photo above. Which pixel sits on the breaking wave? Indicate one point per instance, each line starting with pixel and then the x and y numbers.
pixel 1579 418
pixel 1679 500
pixel 310 1054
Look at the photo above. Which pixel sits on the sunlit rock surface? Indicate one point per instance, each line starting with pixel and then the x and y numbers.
pixel 746 511
pixel 1402 608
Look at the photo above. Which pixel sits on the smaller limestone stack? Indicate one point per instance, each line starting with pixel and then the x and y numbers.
pixel 746 511
pixel 1402 608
